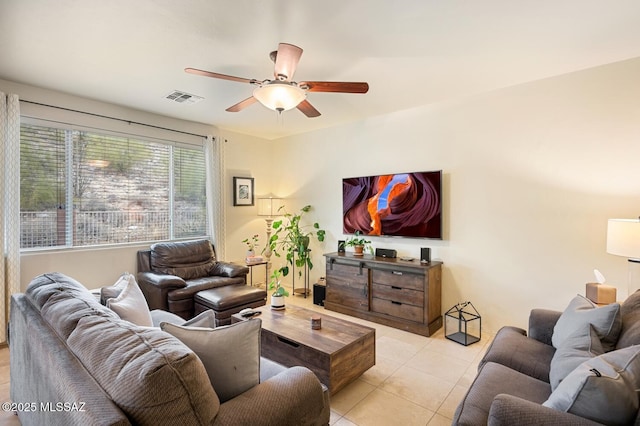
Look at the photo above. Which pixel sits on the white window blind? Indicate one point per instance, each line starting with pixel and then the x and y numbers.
pixel 85 188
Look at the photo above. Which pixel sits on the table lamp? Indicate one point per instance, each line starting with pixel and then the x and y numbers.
pixel 623 239
pixel 269 208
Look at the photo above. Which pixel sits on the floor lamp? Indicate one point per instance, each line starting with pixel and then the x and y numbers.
pixel 269 208
pixel 623 239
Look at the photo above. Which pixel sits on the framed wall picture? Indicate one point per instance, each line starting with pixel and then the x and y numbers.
pixel 242 191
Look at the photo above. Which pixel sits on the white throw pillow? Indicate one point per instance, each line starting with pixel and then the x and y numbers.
pixel 130 305
pixel 230 354
pixel 603 389
pixel 112 292
pixel 606 321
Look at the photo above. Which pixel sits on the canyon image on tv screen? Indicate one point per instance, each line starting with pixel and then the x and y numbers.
pixel 401 204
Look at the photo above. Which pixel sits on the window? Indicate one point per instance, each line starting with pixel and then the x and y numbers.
pixel 83 188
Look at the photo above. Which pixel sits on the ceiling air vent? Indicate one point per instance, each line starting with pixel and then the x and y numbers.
pixel 183 97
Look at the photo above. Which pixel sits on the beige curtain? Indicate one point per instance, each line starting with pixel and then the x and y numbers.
pixel 9 205
pixel 214 162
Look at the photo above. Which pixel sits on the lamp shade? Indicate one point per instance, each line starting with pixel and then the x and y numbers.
pixel 269 206
pixel 623 238
pixel 279 95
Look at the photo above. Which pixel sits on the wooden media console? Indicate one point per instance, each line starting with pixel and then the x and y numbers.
pixel 401 294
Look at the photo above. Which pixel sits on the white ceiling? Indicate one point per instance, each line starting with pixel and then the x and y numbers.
pixel 411 52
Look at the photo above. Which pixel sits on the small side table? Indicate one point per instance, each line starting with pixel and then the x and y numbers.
pixel 305 272
pixel 250 265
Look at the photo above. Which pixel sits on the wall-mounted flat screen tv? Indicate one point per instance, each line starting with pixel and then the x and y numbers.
pixel 401 204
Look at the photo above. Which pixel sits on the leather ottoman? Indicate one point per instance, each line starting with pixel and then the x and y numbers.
pixel 228 300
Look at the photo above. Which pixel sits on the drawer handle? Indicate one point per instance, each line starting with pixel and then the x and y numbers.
pixel 396 288
pixel 288 342
pixel 396 273
pixel 396 303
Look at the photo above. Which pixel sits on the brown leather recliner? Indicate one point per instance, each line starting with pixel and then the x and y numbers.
pixel 171 273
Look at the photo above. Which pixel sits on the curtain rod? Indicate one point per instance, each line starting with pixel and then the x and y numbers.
pixel 112 118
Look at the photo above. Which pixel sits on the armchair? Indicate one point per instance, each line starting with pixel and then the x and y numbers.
pixel 171 273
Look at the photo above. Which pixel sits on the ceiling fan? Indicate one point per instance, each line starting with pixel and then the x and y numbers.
pixel 282 93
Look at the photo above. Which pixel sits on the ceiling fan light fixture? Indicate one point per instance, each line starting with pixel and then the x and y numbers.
pixel 279 95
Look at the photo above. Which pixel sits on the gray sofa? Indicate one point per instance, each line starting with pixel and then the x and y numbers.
pixel 75 362
pixel 514 381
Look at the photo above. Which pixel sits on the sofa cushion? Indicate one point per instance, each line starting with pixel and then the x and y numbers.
pixel 580 346
pixel 130 304
pixel 149 374
pixel 44 286
pixel 186 259
pixel 512 348
pixel 630 312
pixel 62 301
pixel 230 354
pixel 494 379
pixel 606 321
pixel 603 389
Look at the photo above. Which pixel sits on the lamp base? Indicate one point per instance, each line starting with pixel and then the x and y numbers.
pixel 634 276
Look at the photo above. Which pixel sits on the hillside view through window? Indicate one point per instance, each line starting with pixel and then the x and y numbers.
pixel 80 188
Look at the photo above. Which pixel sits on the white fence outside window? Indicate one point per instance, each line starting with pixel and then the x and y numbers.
pixel 45 229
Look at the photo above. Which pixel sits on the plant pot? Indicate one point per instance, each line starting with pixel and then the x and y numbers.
pixel 358 250
pixel 251 253
pixel 277 302
pixel 303 242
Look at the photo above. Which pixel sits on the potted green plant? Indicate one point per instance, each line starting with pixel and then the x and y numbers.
pixel 292 237
pixel 359 244
pixel 251 243
pixel 277 297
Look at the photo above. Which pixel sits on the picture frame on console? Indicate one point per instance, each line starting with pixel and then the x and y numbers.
pixel 243 191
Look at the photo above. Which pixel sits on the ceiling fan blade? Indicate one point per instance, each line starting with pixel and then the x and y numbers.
pixel 287 59
pixel 335 86
pixel 242 105
pixel 217 75
pixel 308 109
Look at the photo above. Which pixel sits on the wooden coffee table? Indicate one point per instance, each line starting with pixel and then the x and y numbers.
pixel 338 353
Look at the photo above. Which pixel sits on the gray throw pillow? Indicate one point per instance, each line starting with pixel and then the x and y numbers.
pixel 203 319
pixel 603 389
pixel 130 305
pixel 605 320
pixel 580 346
pixel 230 354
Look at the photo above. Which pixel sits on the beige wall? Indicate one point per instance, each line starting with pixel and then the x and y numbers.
pixel 246 156
pixel 531 175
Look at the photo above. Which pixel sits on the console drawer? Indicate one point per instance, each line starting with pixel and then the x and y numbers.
pixel 397 309
pixel 398 278
pixel 398 294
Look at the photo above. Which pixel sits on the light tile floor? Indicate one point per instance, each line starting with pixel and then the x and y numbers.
pixel 416 380
pixel 6 418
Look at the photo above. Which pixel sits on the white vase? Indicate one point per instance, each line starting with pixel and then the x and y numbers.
pixel 250 253
pixel 277 302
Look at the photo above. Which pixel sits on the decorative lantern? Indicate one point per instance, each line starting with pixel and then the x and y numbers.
pixel 463 324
